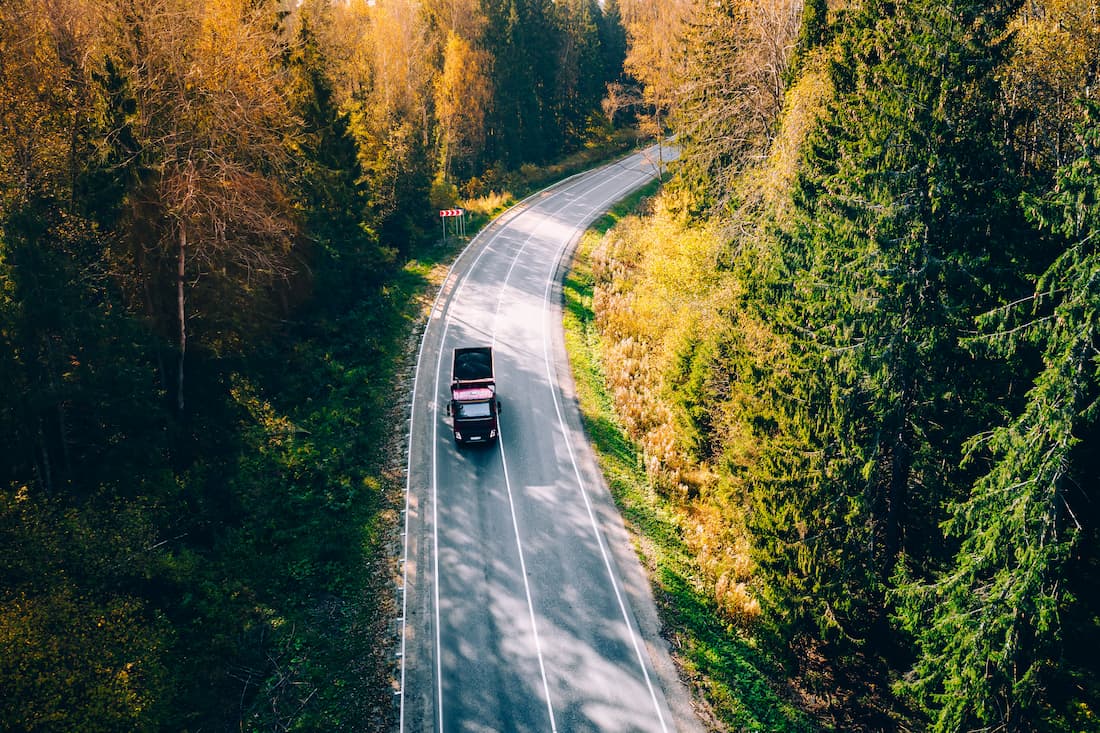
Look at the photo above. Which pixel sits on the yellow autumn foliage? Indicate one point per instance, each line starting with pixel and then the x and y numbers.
pixel 1055 62
pixel 659 287
pixel 657 284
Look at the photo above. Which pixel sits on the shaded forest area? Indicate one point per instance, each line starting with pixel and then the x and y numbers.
pixel 216 220
pixel 856 340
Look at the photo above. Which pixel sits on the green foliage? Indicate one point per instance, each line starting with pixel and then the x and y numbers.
pixel 815 25
pixel 988 625
pixel 899 195
pixel 57 646
pixel 613 41
pixel 696 386
pixel 916 489
pixel 523 43
pixel 840 392
pixel 581 77
pixel 918 498
pixel 552 61
pixel 74 364
pixel 112 165
pixel 734 674
pixel 334 199
pixel 223 566
pixel 444 194
pixel 396 163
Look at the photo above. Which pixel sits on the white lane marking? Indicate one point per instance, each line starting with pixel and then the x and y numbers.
pixel 526 583
pixel 493 234
pixel 512 504
pixel 435 472
pixel 435 531
pixel 515 524
pixel 437 313
pixel 439 296
pixel 551 278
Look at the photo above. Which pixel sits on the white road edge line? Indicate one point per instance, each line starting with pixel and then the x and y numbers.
pixel 435 475
pixel 443 291
pixel 551 278
pixel 514 211
pixel 435 530
pixel 408 489
pixel 492 234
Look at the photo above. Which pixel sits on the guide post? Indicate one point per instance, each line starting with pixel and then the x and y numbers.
pixel 459 215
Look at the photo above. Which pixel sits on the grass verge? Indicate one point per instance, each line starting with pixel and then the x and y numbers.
pixel 736 682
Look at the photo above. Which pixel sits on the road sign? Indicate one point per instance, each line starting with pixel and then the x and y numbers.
pixel 460 223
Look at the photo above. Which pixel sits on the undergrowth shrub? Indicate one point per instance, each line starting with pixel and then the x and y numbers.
pixel 655 296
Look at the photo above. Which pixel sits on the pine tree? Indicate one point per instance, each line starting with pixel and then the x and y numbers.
pixel 814 31
pixel 580 84
pixel 613 43
pixel 523 40
pixel 329 185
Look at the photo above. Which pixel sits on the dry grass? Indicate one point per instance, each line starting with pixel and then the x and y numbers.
pixel 656 285
pixel 489 204
pixel 693 551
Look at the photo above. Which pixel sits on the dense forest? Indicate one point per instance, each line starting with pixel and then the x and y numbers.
pixel 856 340
pixel 216 222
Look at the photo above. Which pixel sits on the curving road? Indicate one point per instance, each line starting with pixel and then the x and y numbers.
pixel 525 608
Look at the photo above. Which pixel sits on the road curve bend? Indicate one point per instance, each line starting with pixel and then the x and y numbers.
pixel 524 605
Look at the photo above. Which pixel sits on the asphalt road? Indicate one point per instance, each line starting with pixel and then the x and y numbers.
pixel 525 608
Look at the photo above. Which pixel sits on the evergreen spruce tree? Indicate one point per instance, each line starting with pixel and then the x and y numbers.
pixel 988 626
pixel 580 80
pixel 329 183
pixel 814 31
pixel 523 40
pixel 113 162
pixel 613 42
pixel 897 221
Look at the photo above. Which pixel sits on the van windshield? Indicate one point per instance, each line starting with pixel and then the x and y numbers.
pixel 472 410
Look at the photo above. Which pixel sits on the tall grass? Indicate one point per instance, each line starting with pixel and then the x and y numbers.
pixel 738 681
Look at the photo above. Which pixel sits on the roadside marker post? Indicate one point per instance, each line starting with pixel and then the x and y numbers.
pixel 460 221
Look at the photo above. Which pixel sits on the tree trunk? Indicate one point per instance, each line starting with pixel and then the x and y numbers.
pixel 53 367
pixel 901 465
pixel 900 469
pixel 181 313
pixel 43 464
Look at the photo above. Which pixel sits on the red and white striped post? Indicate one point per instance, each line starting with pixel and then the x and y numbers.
pixel 445 214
